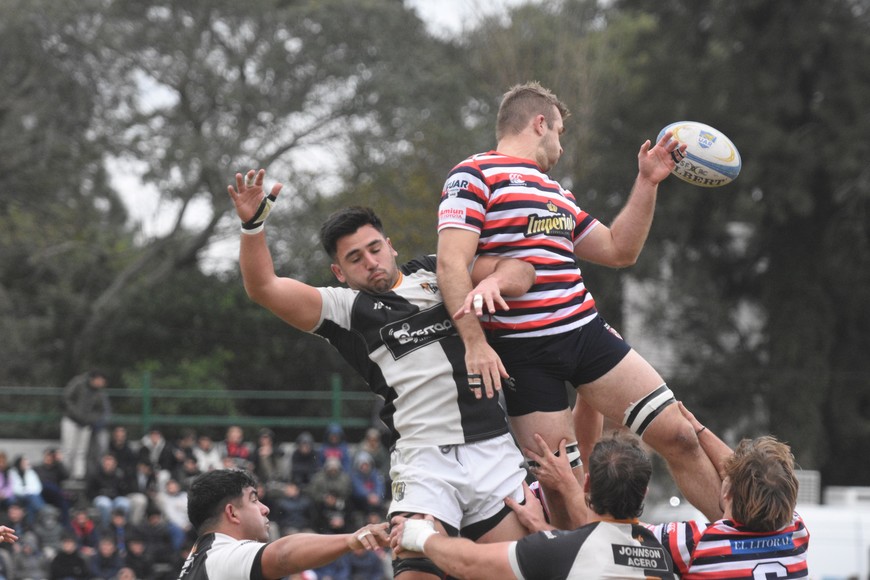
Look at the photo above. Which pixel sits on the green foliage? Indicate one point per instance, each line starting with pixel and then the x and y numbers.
pixel 761 287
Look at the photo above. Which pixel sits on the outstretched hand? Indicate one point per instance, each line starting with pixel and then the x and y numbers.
pixel 370 537
pixel 485 298
pixel 656 163
pixel 249 192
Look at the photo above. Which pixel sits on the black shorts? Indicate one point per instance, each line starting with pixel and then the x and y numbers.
pixel 540 366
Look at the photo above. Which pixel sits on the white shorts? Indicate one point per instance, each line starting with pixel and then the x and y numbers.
pixel 458 484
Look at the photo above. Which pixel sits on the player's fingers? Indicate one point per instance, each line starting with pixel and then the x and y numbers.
pixel 501 303
pixel 276 189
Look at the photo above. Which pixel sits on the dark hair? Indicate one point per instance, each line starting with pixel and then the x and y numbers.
pixel 619 474
pixel 213 490
pixel 344 222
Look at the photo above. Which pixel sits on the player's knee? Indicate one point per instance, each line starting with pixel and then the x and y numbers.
pixel 416 566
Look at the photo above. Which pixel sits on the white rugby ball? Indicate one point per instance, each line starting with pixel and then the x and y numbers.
pixel 711 158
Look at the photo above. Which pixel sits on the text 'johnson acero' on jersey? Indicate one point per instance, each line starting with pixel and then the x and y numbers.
pixel 519 212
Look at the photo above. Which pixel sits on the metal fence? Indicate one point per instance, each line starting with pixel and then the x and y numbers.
pixel 32 409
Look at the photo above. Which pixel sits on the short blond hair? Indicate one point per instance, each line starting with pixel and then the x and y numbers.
pixel 764 486
pixel 521 103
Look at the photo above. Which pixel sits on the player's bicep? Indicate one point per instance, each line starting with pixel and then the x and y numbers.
pixel 597 246
pixel 294 302
pixel 456 247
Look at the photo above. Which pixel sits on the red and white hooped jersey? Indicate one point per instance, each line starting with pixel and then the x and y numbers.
pixel 725 549
pixel 520 212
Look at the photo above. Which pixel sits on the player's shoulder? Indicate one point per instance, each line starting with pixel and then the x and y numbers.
pixel 425 264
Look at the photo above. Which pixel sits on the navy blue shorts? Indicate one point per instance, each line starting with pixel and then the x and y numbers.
pixel 541 366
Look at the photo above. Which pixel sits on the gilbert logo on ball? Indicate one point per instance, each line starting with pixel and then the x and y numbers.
pixel 711 158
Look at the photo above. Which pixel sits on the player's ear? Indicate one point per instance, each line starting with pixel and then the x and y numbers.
pixel 336 270
pixel 230 512
pixel 392 249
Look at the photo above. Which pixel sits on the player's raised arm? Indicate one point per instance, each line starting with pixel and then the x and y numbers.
pixel 296 303
pixel 620 244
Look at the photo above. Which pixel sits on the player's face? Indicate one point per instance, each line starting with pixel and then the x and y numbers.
pixel 366 260
pixel 551 147
pixel 253 515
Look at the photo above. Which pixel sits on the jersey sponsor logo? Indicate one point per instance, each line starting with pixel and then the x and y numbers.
pixel 516 179
pixel 452 188
pixel 378 305
pixel 763 545
pixel 451 214
pixel 429 287
pixel 418 330
pixel 646 557
pixel 550 225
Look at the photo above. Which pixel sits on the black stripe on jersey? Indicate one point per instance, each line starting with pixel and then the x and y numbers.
pixel 473 412
pixel 352 347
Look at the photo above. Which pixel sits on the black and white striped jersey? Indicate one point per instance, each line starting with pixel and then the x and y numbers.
pixel 405 345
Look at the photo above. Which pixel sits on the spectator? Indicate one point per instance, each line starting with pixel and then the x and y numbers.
pixel 338 569
pixel 304 462
pixel 107 489
pixel 122 449
pixel 86 413
pixel 69 563
pixel 366 565
pixel 291 509
pixel 373 444
pixel 184 446
pixel 236 448
pixel 267 457
pixel 14 519
pixel 84 530
pixel 334 445
pixel 119 529
pixel 52 473
pixel 5 484
pixel 208 456
pixel 158 539
pixel 107 562
pixel 158 451
pixel 188 471
pixel 28 559
pixel 172 501
pixel 367 485
pixel 137 558
pixel 332 479
pixel 26 487
pixel 142 488
pixel 50 530
pixel 127 573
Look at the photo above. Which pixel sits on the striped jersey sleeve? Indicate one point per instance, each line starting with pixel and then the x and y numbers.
pixel 520 212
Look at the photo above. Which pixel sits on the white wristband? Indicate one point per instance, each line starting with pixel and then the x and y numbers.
pixel 256 230
pixel 416 533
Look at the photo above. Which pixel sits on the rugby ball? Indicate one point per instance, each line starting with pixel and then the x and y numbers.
pixel 711 159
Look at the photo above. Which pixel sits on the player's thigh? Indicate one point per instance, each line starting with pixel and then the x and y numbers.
pixel 507 530
pixel 628 382
pixel 552 426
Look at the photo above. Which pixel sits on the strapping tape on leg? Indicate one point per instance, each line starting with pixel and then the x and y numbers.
pixel 640 414
pixel 573 452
